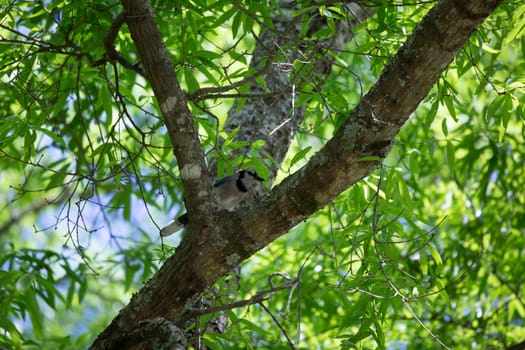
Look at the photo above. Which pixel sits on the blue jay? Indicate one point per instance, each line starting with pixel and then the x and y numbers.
pixel 230 192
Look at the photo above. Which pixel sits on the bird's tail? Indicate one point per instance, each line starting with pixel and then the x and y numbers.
pixel 174 225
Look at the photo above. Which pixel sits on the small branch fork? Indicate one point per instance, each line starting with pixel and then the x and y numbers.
pixel 109 45
pixel 291 284
pixel 258 298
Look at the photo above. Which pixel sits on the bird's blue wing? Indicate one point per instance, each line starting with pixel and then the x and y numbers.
pixel 221 181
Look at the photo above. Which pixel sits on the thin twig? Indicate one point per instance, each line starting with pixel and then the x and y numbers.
pixel 281 327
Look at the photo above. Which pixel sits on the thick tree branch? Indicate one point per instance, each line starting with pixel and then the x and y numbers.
pixel 373 124
pixel 368 131
pixel 183 135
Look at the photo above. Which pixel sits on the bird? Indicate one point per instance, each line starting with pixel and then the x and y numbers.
pixel 230 191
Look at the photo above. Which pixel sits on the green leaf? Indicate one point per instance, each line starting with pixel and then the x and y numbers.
pixel 449 103
pixel 435 254
pixel 451 156
pixel 505 116
pixel 253 327
pixel 300 155
pixel 444 127
pixel 304 10
pixel 191 82
pixel 211 55
pixel 33 310
pixel 82 290
pixel 237 20
pixel 431 114
pixel 106 102
pixel 226 15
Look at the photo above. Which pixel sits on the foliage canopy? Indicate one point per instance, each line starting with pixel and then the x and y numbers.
pixel 425 252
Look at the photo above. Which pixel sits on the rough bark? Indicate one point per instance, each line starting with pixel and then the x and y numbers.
pixel 182 132
pixel 209 251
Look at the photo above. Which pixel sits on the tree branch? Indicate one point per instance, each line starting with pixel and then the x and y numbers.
pixel 173 104
pixel 259 297
pixel 109 45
